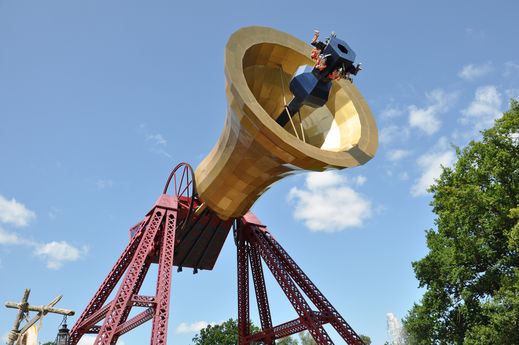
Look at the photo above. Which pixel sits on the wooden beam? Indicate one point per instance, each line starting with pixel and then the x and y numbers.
pixel 41 308
pixel 14 334
pixel 39 316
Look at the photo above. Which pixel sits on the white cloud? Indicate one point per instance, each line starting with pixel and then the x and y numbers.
pixel 104 183
pixel 471 72
pixel 54 212
pixel 12 212
pixel 511 68
pixel 484 109
pixel 396 155
pixel 512 93
pixel 5 337
pixel 391 112
pixel 391 133
pixel 157 139
pixel 9 238
pixel 476 33
pixel 360 180
pixel 156 142
pixel 426 119
pixel 193 327
pixel 90 339
pixel 324 179
pixel 329 203
pixel 430 165
pixel 56 253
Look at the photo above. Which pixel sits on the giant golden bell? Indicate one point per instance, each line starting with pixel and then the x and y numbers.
pixel 254 151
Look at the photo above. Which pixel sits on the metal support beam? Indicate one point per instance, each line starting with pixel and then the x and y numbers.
pixel 313 293
pixel 108 285
pixel 243 291
pixel 156 236
pixel 261 292
pixel 160 319
pixel 135 321
pixel 254 240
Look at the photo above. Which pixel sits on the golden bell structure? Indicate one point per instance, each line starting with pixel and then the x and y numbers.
pixel 254 151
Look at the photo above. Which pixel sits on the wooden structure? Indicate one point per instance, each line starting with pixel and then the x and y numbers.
pixel 24 307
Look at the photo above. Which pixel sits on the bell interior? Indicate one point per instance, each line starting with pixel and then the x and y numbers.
pixel 268 68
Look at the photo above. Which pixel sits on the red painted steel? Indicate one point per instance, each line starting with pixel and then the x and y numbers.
pixel 261 293
pixel 279 272
pixel 102 294
pixel 154 240
pixel 155 237
pixel 160 319
pixel 243 290
pixel 317 298
pixel 290 277
pixel 135 291
pixel 135 321
pixel 123 296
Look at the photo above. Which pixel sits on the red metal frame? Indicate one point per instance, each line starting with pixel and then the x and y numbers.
pixel 254 241
pixel 153 241
pixel 154 238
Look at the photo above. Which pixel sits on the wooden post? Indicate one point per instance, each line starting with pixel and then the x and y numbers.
pixel 14 334
pixel 23 307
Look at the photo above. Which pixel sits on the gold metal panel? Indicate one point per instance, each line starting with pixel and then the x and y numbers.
pixel 253 150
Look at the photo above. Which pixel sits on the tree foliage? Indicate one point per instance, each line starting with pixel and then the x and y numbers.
pixel 471 272
pixel 306 338
pixel 225 333
pixel 365 339
pixel 287 341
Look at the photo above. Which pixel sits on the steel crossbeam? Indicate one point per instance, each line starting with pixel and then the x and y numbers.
pixel 286 329
pixel 135 321
pixel 93 330
pixel 96 317
pixel 143 301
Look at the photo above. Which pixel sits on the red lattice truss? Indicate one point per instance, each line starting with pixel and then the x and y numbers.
pixel 153 241
pixel 254 242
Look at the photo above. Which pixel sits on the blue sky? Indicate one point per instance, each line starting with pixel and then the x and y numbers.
pixel 99 100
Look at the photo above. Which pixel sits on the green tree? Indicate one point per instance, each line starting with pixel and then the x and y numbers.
pixel 223 334
pixel 471 271
pixel 306 339
pixel 287 341
pixel 365 339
